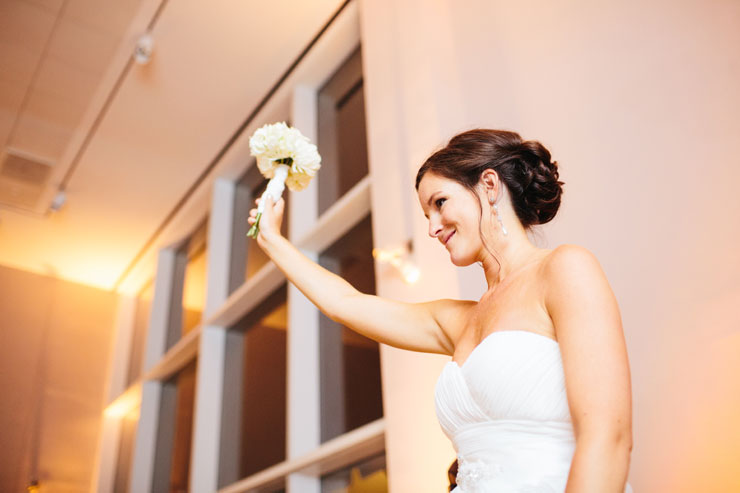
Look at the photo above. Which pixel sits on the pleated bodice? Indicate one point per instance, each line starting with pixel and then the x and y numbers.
pixel 505 409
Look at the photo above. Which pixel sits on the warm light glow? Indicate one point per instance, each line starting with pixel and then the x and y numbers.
pixel 398 258
pixel 194 286
pixel 375 482
pixel 125 403
pixel 410 273
pixel 386 255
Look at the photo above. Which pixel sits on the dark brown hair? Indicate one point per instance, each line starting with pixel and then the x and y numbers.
pixel 525 167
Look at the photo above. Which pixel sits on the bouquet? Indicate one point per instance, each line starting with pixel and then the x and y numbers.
pixel 286 157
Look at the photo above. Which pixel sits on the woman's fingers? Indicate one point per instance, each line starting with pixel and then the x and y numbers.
pixel 272 214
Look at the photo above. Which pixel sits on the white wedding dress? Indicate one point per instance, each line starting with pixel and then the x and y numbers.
pixel 506 411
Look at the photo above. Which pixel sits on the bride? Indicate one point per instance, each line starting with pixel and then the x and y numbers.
pixel 537 396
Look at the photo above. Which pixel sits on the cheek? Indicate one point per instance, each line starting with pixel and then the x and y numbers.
pixel 453 215
pixel 467 221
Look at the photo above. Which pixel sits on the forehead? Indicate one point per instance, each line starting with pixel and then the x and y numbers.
pixel 432 183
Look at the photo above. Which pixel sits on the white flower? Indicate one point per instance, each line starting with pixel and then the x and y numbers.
pixel 277 142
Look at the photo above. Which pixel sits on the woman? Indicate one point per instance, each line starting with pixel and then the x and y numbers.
pixel 548 322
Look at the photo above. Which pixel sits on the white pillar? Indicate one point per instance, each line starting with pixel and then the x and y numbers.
pixel 217 420
pixel 303 399
pixel 151 464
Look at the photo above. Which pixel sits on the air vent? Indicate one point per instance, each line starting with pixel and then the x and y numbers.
pixel 23 179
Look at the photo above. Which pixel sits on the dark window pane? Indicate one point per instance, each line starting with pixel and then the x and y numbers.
pixel 263 398
pixel 341 141
pixel 141 326
pixel 351 393
pixel 184 382
pixel 367 476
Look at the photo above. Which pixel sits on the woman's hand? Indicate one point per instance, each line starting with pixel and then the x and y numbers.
pixel 271 220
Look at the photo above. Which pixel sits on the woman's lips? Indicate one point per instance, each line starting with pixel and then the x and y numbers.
pixel 448 237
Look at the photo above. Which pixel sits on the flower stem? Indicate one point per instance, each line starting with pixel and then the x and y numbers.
pixel 255 229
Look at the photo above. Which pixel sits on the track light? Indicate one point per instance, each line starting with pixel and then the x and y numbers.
pixel 143 49
pixel 58 201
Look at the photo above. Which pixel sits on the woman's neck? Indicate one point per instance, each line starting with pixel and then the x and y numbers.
pixel 512 252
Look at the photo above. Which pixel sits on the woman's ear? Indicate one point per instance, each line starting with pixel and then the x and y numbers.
pixel 491 184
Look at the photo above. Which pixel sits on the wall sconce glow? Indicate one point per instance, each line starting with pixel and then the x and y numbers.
pixel 399 258
pixel 410 272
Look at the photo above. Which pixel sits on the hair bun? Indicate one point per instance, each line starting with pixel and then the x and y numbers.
pixel 536 190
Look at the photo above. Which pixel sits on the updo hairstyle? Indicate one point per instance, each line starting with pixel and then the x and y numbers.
pixel 525 167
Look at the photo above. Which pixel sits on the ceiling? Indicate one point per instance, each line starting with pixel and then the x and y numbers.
pixel 127 142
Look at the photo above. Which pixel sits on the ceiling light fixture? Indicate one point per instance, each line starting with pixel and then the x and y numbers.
pixel 143 49
pixel 58 201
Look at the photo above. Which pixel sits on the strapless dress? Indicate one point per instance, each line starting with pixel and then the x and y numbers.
pixel 506 412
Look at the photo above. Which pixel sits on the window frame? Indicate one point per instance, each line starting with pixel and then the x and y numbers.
pixel 307 458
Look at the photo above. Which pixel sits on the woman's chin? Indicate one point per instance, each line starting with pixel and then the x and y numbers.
pixel 459 261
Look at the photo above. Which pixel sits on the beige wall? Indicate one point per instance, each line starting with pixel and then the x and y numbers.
pixel 638 102
pixel 55 339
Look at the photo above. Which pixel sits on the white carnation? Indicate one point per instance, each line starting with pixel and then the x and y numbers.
pixel 278 141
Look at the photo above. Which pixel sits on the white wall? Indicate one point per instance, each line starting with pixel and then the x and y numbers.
pixel 638 102
pixel 55 341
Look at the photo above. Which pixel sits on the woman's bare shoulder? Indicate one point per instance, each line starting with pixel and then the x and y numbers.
pixel 563 258
pixel 571 269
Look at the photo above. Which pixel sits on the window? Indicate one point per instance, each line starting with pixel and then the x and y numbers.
pixel 351 393
pixel 350 363
pixel 247 407
pixel 263 400
pixel 261 420
pixel 342 139
pixel 183 384
pixel 194 282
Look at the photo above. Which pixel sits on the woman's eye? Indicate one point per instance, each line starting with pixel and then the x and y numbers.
pixel 439 202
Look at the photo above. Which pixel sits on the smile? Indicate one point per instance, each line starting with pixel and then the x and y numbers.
pixel 448 237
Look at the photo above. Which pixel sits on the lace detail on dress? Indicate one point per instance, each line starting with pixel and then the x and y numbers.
pixel 473 473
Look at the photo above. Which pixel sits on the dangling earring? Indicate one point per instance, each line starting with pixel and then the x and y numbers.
pixel 498 216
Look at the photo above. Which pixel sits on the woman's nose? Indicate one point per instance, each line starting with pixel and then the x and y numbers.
pixel 434 228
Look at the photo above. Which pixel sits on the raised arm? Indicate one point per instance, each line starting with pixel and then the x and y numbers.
pixel 427 327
